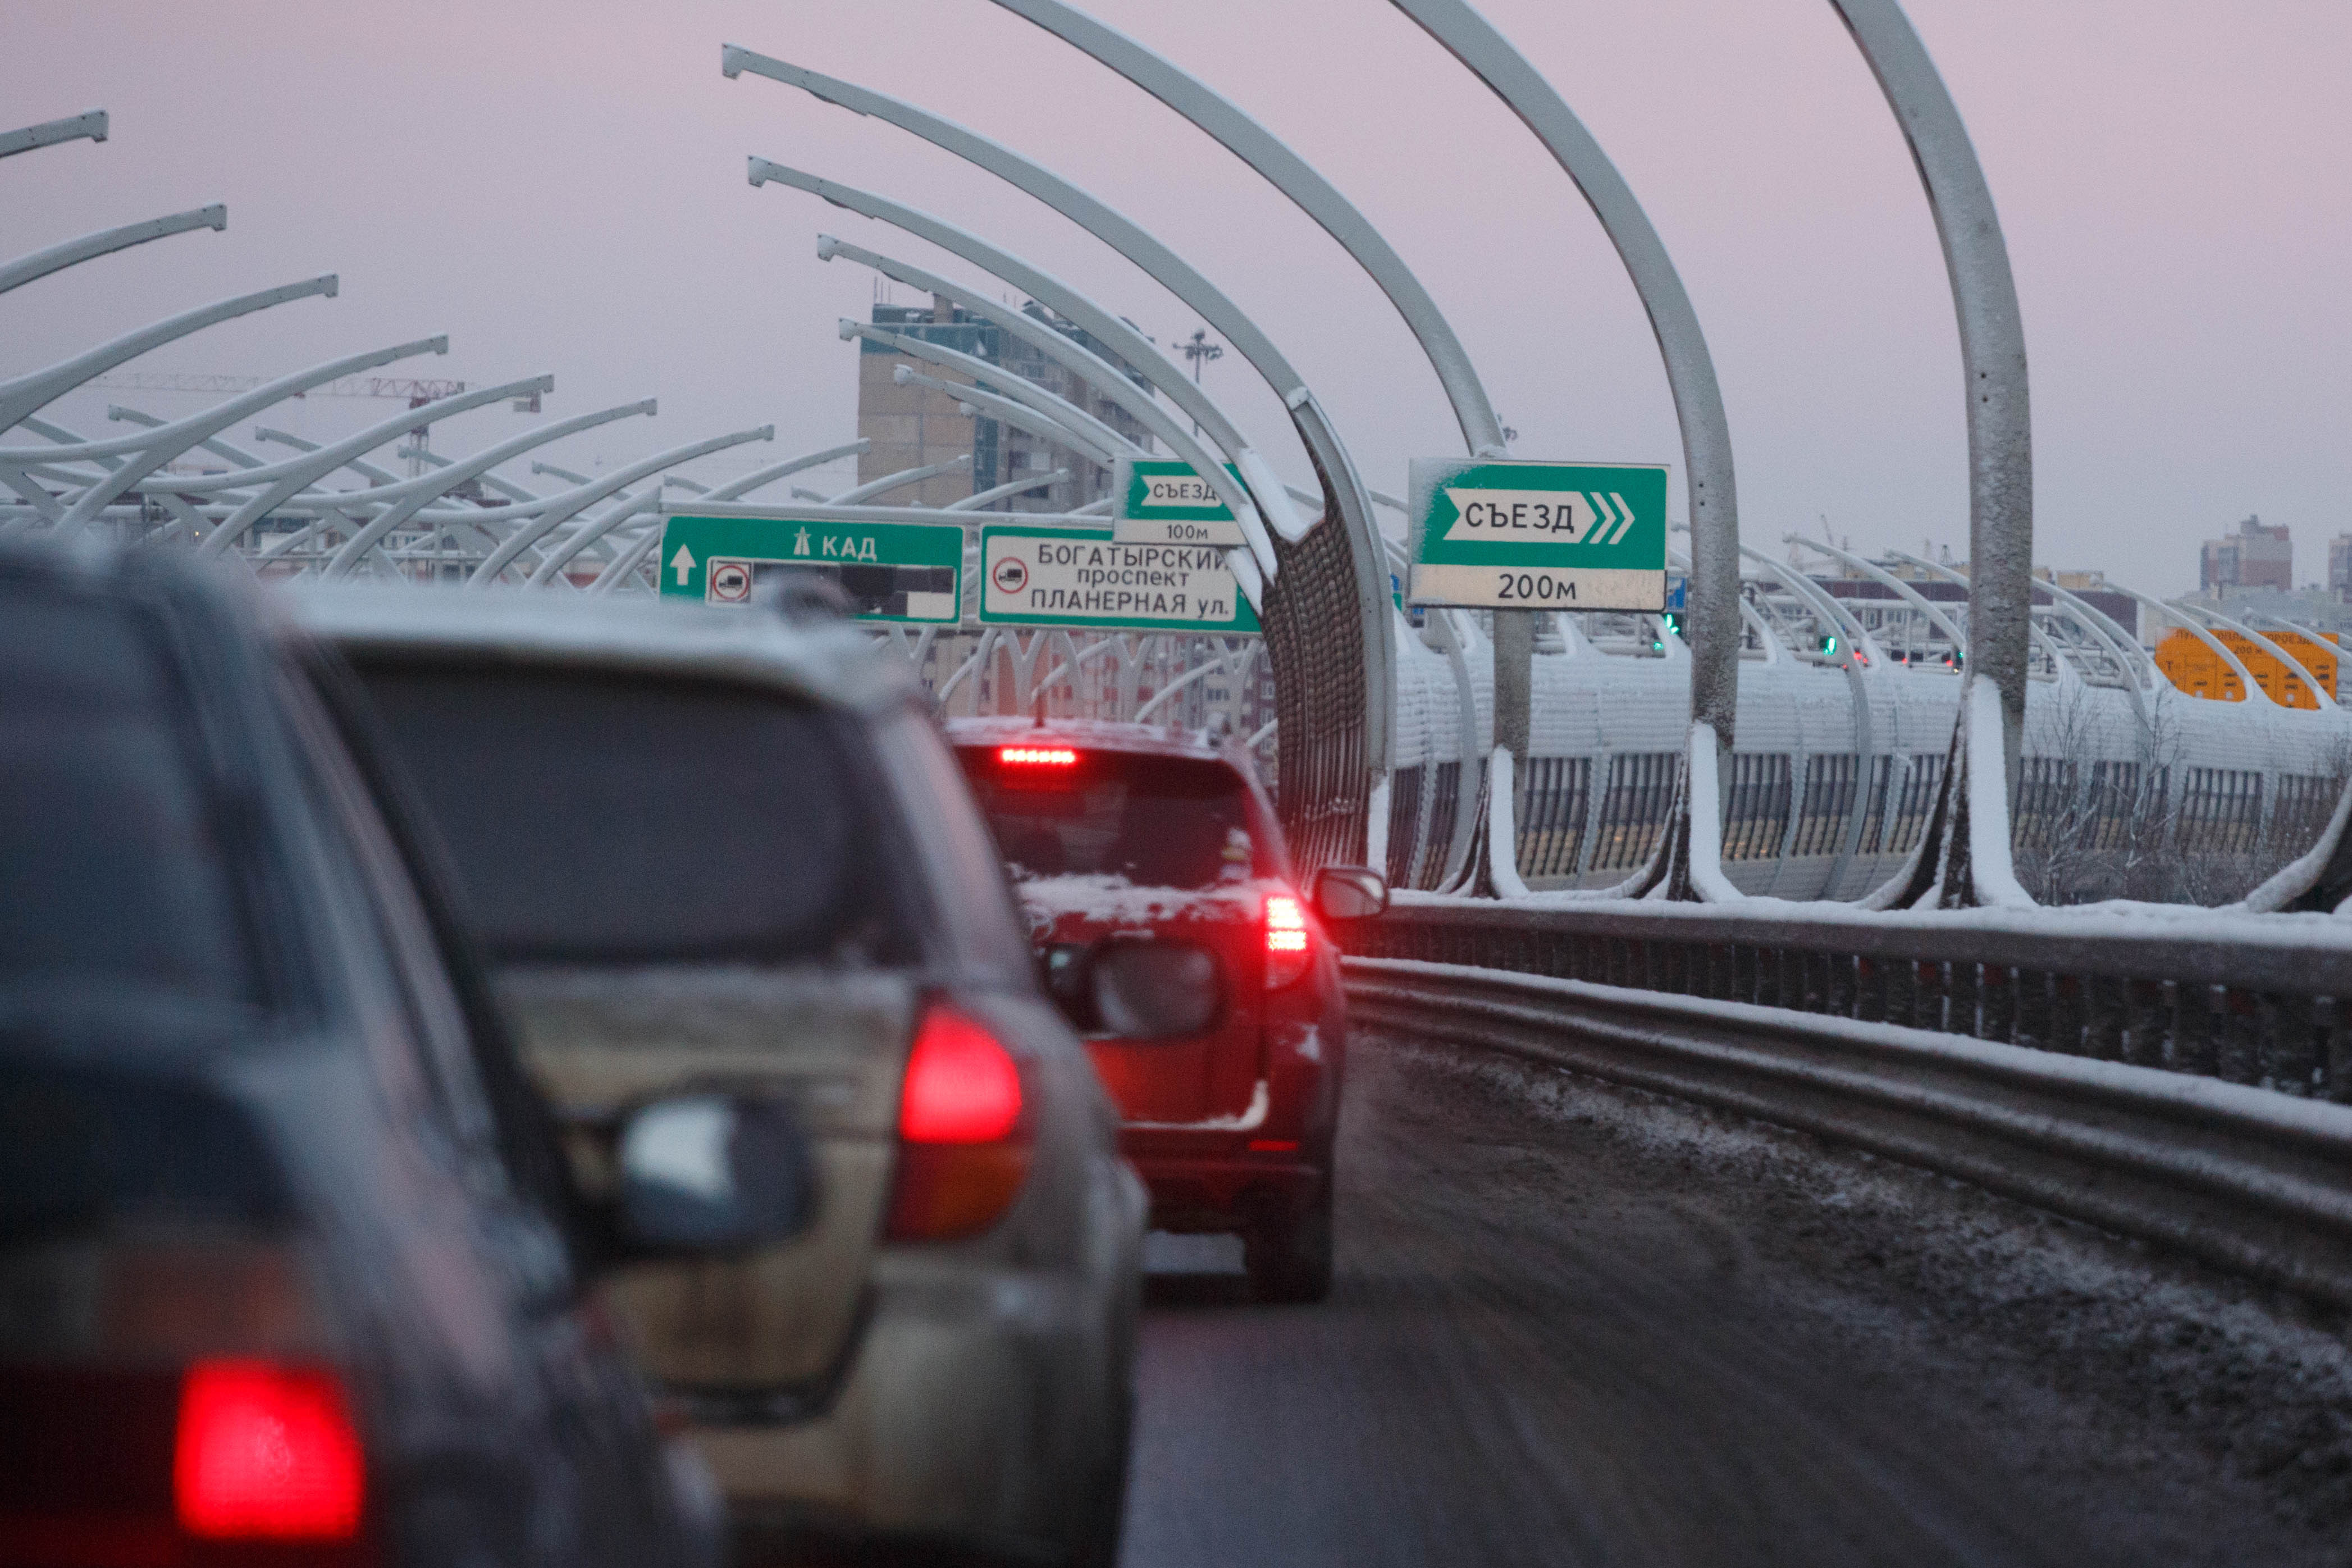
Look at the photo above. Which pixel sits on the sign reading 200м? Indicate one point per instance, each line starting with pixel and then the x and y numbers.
pixel 1498 534
pixel 1065 577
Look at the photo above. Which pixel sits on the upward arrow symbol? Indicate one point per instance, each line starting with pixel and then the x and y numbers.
pixel 682 562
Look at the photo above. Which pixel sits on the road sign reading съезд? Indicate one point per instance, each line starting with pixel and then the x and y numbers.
pixel 1164 502
pixel 1074 576
pixel 891 571
pixel 1499 534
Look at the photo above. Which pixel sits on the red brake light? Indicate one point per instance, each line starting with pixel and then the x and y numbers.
pixel 962 1152
pixel 267 1452
pixel 962 1086
pixel 1289 947
pixel 1036 756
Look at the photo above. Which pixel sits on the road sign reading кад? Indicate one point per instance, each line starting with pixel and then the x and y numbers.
pixel 890 572
pixel 1074 576
pixel 1503 534
pixel 1165 502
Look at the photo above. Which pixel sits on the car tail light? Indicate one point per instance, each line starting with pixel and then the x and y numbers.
pixel 963 1144
pixel 265 1452
pixel 1289 946
pixel 178 1408
pixel 1036 756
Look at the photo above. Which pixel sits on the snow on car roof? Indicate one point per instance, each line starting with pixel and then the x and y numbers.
pixel 832 662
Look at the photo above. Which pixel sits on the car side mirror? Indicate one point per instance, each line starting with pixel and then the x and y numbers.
pixel 713 1173
pixel 1350 892
pixel 1155 990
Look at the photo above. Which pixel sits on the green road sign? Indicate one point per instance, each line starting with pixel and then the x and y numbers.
pixel 891 571
pixel 1164 502
pixel 1507 535
pixel 1068 576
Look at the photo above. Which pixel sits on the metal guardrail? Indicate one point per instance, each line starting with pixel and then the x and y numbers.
pixel 2249 1181
pixel 2264 1001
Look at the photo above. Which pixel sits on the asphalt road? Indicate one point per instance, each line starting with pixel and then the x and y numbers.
pixel 1574 1325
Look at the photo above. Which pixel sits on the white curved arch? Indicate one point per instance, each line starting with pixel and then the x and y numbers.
pixel 28 393
pixel 106 241
pixel 399 510
pixel 973 403
pixel 898 481
pixel 1309 190
pixel 315 465
pixel 569 506
pixel 365 470
pixel 1178 277
pixel 1107 381
pixel 1060 410
pixel 159 447
pixel 979 498
pixel 91 123
pixel 759 478
pixel 1108 328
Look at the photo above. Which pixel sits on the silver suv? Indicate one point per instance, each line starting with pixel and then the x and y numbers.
pixel 720 850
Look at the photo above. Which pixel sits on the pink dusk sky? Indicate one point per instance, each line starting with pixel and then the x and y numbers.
pixel 559 187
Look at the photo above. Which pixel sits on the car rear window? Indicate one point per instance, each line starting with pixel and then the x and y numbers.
pixel 597 818
pixel 1154 821
pixel 81 1145
pixel 113 878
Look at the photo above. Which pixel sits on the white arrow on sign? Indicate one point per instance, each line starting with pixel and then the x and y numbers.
pixel 1619 532
pixel 682 562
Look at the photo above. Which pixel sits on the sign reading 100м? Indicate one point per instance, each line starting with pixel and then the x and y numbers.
pixel 1084 576
pixel 891 571
pixel 1164 502
pixel 1503 535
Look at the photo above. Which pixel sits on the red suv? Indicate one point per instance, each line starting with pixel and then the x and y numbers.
pixel 1170 928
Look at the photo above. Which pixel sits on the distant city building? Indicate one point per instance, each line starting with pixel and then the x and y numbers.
pixel 916 426
pixel 2340 568
pixel 2256 556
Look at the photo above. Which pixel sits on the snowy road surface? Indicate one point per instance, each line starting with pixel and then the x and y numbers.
pixel 1577 1325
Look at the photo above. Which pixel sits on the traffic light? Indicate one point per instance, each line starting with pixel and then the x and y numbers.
pixel 1829 645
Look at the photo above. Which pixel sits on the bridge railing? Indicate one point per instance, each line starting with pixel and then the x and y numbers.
pixel 2263 1000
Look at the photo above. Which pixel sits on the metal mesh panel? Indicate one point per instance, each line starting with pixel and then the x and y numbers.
pixel 1315 640
pixel 1918 799
pixel 2118 806
pixel 1552 815
pixel 1829 801
pixel 1756 807
pixel 2222 811
pixel 1405 824
pixel 2045 792
pixel 1437 833
pixel 1873 822
pixel 2304 803
pixel 1640 792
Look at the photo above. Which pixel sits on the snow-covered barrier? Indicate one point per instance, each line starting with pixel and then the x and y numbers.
pixel 2248 1180
pixel 2263 1000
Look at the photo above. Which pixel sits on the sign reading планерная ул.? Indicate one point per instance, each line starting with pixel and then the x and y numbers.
pixel 1072 577
pixel 1500 534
